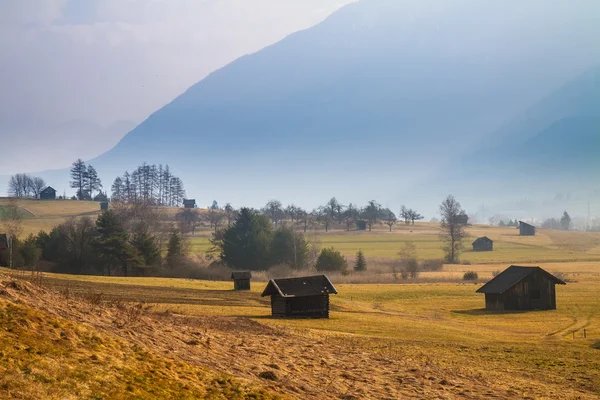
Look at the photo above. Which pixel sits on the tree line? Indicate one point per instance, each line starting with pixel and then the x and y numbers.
pixel 85 180
pixel 149 184
pixel 25 186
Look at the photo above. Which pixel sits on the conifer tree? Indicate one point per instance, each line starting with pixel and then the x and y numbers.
pixel 361 262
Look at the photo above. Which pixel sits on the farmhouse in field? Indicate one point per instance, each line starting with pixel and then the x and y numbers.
pixel 48 194
pixel 521 288
pixel 241 280
pixel 483 244
pixel 4 250
pixel 526 229
pixel 189 203
pixel 300 297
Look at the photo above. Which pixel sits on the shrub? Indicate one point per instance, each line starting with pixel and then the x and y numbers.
pixel 331 260
pixel 432 265
pixel 470 276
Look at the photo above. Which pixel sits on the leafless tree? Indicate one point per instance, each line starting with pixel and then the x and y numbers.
pixel 389 218
pixel 452 230
pixel 214 217
pixel 12 219
pixel 37 185
pixel 19 186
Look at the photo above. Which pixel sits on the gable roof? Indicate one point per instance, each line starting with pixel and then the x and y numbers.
pixel 482 239
pixel 525 223
pixel 510 277
pixel 241 275
pixel 49 188
pixel 300 287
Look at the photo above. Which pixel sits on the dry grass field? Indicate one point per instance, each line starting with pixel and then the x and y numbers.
pixel 64 336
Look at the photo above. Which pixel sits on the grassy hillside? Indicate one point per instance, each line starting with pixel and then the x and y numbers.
pixel 382 341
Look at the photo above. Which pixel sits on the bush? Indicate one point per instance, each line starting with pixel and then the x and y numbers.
pixel 331 260
pixel 470 276
pixel 432 265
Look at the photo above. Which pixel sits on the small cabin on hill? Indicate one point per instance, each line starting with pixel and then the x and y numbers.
pixel 521 288
pixel 300 297
pixel 4 250
pixel 483 244
pixel 48 194
pixel 189 203
pixel 241 280
pixel 526 229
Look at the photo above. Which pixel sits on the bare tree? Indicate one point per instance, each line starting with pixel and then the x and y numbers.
pixel 19 185
pixel 214 217
pixel 372 213
pixel 229 213
pixel 351 214
pixel 37 185
pixel 274 209
pixel 414 216
pixel 12 219
pixel 452 230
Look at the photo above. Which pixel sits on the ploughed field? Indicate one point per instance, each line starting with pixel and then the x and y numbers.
pixel 383 341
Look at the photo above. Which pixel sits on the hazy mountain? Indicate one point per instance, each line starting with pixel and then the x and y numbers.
pixel 368 103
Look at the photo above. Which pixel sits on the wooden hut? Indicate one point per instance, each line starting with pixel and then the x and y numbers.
pixel 189 203
pixel 300 297
pixel 4 250
pixel 104 205
pixel 241 280
pixel 526 229
pixel 462 219
pixel 48 194
pixel 521 288
pixel 483 244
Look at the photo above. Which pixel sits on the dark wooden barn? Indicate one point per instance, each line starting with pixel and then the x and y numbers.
pixel 483 244
pixel 189 203
pixel 462 219
pixel 300 297
pixel 241 280
pixel 4 250
pixel 104 205
pixel 526 229
pixel 48 194
pixel 521 288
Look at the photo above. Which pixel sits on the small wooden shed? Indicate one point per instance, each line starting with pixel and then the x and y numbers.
pixel 483 244
pixel 4 250
pixel 48 193
pixel 521 288
pixel 462 219
pixel 104 205
pixel 526 229
pixel 241 280
pixel 189 203
pixel 300 297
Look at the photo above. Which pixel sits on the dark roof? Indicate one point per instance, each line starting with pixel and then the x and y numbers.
pixel 482 239
pixel 300 287
pixel 510 277
pixel 3 241
pixel 525 223
pixel 241 275
pixel 49 188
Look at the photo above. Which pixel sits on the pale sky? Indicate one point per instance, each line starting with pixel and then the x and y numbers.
pixel 109 60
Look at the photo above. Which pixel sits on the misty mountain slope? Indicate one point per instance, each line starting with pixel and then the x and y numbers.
pixel 382 91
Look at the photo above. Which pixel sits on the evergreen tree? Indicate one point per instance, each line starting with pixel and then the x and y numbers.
pixel 361 262
pixel 331 260
pixel 146 246
pixel 112 244
pixel 93 182
pixel 175 249
pixel 79 178
pixel 565 221
pixel 289 247
pixel 246 243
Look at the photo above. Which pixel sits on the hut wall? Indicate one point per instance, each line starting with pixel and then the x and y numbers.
pixel 536 292
pixel 4 257
pixel 526 230
pixel 241 284
pixel 309 306
pixel 484 246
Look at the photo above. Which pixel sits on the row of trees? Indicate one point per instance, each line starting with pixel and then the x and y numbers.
pixel 564 223
pixel 126 240
pixel 25 185
pixel 333 212
pixel 85 180
pixel 149 184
